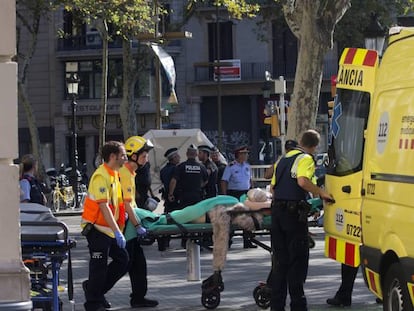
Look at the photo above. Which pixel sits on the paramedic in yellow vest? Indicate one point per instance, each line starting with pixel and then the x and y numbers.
pixel 103 220
pixel 137 151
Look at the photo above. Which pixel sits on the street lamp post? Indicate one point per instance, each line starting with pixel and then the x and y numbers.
pixel 72 85
pixel 375 35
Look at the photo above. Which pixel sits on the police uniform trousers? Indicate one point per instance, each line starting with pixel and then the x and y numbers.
pixel 102 277
pixel 137 269
pixel 290 258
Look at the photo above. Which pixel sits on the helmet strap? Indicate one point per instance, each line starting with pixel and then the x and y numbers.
pixel 136 159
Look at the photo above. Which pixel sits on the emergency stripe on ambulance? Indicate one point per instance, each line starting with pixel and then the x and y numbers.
pixel 411 291
pixel 358 57
pixel 373 282
pixel 406 143
pixel 342 251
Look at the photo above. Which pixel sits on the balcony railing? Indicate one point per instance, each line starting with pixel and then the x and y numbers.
pixel 256 71
pixel 92 40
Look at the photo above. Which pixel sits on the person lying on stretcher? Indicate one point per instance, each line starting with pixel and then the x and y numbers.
pixel 223 211
pixel 256 199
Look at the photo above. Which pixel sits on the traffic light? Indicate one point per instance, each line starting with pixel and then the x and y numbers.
pixel 274 125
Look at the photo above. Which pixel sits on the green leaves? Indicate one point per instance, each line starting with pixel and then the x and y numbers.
pixel 128 17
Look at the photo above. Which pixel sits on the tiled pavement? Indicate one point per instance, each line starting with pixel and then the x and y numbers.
pixel 244 269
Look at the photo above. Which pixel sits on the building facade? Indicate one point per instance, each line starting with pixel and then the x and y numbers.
pixel 245 50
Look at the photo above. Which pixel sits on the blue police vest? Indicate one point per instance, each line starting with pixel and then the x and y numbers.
pixel 287 188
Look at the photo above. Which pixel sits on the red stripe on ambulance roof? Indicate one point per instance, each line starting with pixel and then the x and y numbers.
pixel 350 56
pixel 370 58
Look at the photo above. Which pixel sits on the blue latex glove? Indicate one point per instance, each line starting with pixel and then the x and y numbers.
pixel 120 239
pixel 141 231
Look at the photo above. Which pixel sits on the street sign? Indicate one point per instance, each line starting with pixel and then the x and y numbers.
pixel 231 72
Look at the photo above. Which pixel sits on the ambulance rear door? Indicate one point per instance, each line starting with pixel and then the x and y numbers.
pixel 342 221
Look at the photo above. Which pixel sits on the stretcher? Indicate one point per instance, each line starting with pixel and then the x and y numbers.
pixel 195 233
pixel 45 245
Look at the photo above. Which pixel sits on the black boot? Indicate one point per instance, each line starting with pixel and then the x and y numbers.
pixel 338 302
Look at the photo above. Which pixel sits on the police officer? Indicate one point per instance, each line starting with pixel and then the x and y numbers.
pixel 210 189
pixel 166 174
pixel 188 180
pixel 289 234
pixel 31 189
pixel 186 185
pixel 236 181
pixel 103 221
pixel 215 156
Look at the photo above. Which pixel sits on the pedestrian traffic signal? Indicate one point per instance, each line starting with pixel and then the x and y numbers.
pixel 273 121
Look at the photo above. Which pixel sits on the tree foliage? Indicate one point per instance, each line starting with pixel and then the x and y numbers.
pixel 128 17
pixel 350 29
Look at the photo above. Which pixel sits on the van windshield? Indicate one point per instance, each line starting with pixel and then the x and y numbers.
pixel 349 121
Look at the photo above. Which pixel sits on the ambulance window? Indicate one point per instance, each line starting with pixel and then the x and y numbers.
pixel 350 118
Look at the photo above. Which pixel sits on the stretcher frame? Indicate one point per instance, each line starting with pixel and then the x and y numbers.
pixel 49 243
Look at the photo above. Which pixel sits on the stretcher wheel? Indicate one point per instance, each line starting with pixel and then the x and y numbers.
pixel 311 242
pixel 210 299
pixel 261 295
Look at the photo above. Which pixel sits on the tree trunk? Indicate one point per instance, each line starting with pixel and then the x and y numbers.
pixel 313 23
pixel 31 25
pixel 34 133
pixel 127 108
pixel 308 78
pixel 104 99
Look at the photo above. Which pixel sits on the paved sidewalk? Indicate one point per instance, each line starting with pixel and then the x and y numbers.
pixel 167 276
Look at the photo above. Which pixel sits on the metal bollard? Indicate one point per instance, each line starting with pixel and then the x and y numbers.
pixel 193 261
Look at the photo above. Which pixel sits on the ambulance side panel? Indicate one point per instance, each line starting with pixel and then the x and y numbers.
pixel 387 214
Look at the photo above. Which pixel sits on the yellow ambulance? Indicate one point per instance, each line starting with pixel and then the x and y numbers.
pixel 371 169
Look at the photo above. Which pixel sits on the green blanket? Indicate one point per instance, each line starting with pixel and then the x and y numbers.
pixel 149 219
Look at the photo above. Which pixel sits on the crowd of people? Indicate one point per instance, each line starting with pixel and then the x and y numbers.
pixel 122 184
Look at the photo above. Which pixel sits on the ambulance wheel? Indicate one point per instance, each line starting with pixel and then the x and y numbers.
pixel 311 242
pixel 396 295
pixel 261 295
pixel 210 300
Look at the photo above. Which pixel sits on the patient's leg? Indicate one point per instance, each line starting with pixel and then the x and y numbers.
pixel 220 221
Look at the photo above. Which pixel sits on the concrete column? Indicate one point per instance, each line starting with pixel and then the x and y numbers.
pixel 14 277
